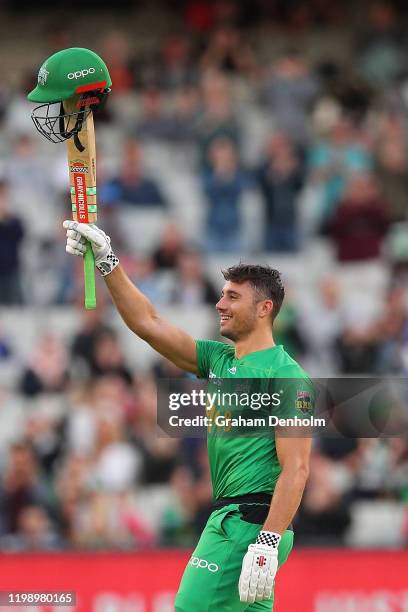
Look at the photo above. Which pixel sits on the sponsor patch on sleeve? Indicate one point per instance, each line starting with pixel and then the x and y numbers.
pixel 303 401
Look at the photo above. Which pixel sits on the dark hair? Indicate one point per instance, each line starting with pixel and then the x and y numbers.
pixel 266 281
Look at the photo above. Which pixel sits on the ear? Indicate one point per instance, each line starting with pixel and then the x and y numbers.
pixel 265 308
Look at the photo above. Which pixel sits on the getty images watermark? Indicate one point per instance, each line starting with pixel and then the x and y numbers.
pixel 218 405
pixel 336 407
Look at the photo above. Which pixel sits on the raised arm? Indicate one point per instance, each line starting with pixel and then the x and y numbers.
pixel 134 307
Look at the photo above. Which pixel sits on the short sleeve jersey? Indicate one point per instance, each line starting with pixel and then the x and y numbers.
pixel 241 465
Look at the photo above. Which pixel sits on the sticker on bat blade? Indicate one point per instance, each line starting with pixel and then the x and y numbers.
pixel 78 166
pixel 80 197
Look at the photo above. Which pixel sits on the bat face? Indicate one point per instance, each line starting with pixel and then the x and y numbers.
pixel 82 173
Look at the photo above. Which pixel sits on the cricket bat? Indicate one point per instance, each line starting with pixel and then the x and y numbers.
pixel 82 175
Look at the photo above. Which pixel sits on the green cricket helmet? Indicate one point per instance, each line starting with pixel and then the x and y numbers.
pixel 78 74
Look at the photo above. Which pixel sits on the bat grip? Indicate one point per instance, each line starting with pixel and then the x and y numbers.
pixel 89 274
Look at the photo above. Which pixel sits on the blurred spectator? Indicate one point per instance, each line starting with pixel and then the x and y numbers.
pixel 324 515
pixel 191 287
pixel 392 161
pixel 116 464
pixel 108 357
pixel 44 431
pixel 160 454
pixel 228 52
pixel 116 48
pixel 392 332
pixel 289 91
pixel 178 69
pixel 184 118
pixel 224 183
pixel 176 527
pixel 321 323
pixel 57 36
pixel 153 123
pixel 171 246
pixel 47 370
pixel 397 251
pixel 70 487
pixel 203 488
pixel 143 274
pixel 34 532
pixel 360 222
pixel 280 178
pixel 358 349
pixel 104 394
pixel 26 170
pixel 287 330
pixel 91 328
pixel 109 520
pixel 11 237
pixel 381 54
pixel 217 119
pixel 131 187
pixel 21 486
pixel 334 160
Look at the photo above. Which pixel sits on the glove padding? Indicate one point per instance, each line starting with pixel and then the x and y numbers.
pixel 258 572
pixel 78 234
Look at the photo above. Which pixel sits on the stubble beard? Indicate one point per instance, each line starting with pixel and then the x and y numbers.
pixel 243 330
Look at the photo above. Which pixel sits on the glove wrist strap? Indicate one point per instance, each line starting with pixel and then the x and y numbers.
pixel 268 538
pixel 108 264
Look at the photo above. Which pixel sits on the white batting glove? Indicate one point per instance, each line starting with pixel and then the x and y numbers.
pixel 259 568
pixel 77 236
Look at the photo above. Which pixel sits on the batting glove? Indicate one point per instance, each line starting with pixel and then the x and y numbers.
pixel 259 568
pixel 77 236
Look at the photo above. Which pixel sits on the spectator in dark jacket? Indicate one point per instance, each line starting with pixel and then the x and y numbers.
pixel 11 236
pixel 280 178
pixel 131 186
pixel 224 184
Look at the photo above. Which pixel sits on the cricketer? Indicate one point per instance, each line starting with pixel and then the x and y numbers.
pixel 257 482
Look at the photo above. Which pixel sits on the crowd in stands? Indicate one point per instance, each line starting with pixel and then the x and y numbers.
pixel 236 135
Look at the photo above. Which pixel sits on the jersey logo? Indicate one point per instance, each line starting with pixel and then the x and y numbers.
pixel 303 401
pixel 232 370
pixel 204 564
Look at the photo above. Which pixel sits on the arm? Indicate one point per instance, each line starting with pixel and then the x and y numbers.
pixel 141 317
pixel 133 306
pixel 260 563
pixel 293 455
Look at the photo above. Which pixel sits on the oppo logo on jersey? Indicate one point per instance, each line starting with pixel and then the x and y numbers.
pixel 80 74
pixel 203 563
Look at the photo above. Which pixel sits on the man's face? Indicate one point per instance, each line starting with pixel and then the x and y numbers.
pixel 238 310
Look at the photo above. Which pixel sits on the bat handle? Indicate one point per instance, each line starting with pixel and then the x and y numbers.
pixel 89 273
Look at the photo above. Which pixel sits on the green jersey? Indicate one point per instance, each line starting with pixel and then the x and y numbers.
pixel 240 464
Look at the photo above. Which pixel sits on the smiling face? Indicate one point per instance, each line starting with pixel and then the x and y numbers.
pixel 241 310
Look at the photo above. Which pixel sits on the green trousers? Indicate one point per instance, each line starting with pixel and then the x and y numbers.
pixel 210 580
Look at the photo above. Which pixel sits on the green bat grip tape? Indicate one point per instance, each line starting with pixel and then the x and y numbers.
pixel 89 272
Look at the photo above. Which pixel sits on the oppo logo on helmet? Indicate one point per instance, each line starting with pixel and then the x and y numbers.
pixel 80 74
pixel 212 567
